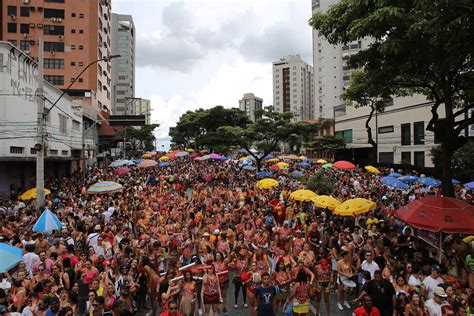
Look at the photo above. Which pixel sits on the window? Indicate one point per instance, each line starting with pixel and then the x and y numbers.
pixel 386 129
pixel 64 152
pixel 81 64
pixel 73 31
pixel 53 152
pixel 76 125
pixel 24 45
pixel 16 150
pixel 55 79
pixel 386 157
pixel 62 123
pixel 406 134
pixel 13 42
pixel 81 31
pixel 53 13
pixel 73 63
pixel 406 157
pixel 81 46
pixel 73 46
pixel 419 159
pixel 419 133
pixel 24 11
pixel 340 110
pixel 53 30
pixel 73 15
pixel 52 63
pixel 24 28
pixel 11 27
pixel 345 135
pixel 11 10
pixel 32 151
pixel 81 15
pixel 53 47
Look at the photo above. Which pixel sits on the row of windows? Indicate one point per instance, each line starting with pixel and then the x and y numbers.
pixel 51 63
pixel 418 158
pixel 47 13
pixel 55 79
pixel 20 150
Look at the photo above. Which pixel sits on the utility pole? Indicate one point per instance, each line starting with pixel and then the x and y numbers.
pixel 40 147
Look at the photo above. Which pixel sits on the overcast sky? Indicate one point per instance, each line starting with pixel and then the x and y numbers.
pixel 202 53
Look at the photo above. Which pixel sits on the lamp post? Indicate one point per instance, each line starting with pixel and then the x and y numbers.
pixel 41 120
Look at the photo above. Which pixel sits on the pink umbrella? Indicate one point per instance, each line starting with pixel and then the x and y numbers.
pixel 215 156
pixel 121 171
pixel 344 165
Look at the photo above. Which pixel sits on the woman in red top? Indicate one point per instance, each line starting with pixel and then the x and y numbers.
pixel 188 294
pixel 211 290
pixel 220 266
pixel 281 278
pixel 323 275
pixel 300 294
pixel 253 281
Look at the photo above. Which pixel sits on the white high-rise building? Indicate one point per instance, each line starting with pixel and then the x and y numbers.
pixel 249 103
pixel 293 88
pixel 331 74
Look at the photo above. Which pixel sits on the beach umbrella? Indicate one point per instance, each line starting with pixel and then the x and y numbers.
pixel 147 163
pixel 249 168
pixel 454 181
pixel 264 174
pixel 164 158
pixel 408 179
pixel 372 169
pixel 121 171
pixel 272 160
pixel 327 166
pixel 215 156
pixel 205 157
pixel 469 185
pixel 302 158
pixel 394 183
pixel 304 164
pixel 104 187
pixel 355 206
pixel 153 153
pixel 303 195
pixel 47 222
pixel 170 155
pixel 245 162
pixel 290 157
pixel 267 184
pixel 10 255
pixel 394 175
pixel 321 161
pixel 31 194
pixel 203 152
pixel 147 156
pixel 164 164
pixel 343 165
pixel 325 201
pixel 268 156
pixel 190 150
pixel 297 174
pixel 282 165
pixel 429 182
pixel 181 154
pixel 119 163
pixel 436 213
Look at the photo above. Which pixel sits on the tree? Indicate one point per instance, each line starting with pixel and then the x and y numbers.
pixel 327 144
pixel 374 94
pixel 141 138
pixel 321 182
pixel 462 162
pixel 420 46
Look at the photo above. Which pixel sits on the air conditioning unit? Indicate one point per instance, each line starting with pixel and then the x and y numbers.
pixel 25 35
pixel 61 37
pixel 32 26
pixel 59 19
pixel 13 17
pixel 52 53
pixel 53 19
pixel 39 26
pixel 26 1
pixel 32 42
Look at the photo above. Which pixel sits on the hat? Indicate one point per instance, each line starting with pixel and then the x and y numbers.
pixel 105 263
pixel 436 268
pixel 439 291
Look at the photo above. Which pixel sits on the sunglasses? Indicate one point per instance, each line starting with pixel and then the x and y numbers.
pixel 173 308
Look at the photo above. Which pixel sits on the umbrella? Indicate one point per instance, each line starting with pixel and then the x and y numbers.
pixel 429 182
pixel 296 174
pixel 302 158
pixel 267 184
pixel 454 181
pixel 164 158
pixel 327 166
pixel 245 162
pixel 394 183
pixel 264 174
pixel 47 222
pixel 273 160
pixel 282 165
pixel 372 169
pixel 325 201
pixel 147 163
pixel 355 206
pixel 190 150
pixel 121 171
pixel 146 156
pixel 181 154
pixel 394 175
pixel 303 195
pixel 304 164
pixel 205 157
pixel 469 185
pixel 170 155
pixel 436 213
pixel 321 161
pixel 249 168
pixel 343 165
pixel 164 164
pixel 408 179
pixel 31 194
pixel 215 156
pixel 268 156
pixel 118 163
pixel 10 257
pixel 290 157
pixel 104 187
pixel 195 155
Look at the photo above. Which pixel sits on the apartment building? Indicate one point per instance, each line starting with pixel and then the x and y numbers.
pixel 249 103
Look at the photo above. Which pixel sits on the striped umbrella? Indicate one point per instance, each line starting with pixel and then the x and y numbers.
pixel 10 257
pixel 104 187
pixel 118 163
pixel 147 163
pixel 47 222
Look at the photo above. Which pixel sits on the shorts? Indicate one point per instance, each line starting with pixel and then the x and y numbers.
pixel 211 299
pixel 301 308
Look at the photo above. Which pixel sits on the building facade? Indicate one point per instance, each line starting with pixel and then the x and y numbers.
pixel 75 33
pixel 249 103
pixel 142 107
pixel 123 68
pixel 18 121
pixel 293 88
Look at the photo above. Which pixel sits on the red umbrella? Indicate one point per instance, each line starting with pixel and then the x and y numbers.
pixel 122 170
pixel 435 213
pixel 344 165
pixel 275 167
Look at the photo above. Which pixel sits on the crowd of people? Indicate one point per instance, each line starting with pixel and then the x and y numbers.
pixel 175 239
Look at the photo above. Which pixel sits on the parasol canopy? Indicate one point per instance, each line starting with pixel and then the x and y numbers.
pixel 121 171
pixel 304 164
pixel 303 195
pixel 271 160
pixel 394 175
pixel 321 161
pixel 267 184
pixel 372 169
pixel 104 187
pixel 164 164
pixel 297 174
pixel 289 157
pixel 47 222
pixel 327 166
pixel 355 206
pixel 215 156
pixel 325 201
pixel 181 154
pixel 394 183
pixel 249 168
pixel 118 163
pixel 10 255
pixel 469 185
pixel 164 158
pixel 343 165
pixel 264 174
pixel 147 163
pixel 429 182
pixel 146 156
pixel 408 179
pixel 31 194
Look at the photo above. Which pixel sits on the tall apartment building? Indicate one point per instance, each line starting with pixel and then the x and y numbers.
pixel 331 74
pixel 75 33
pixel 123 68
pixel 142 107
pixel 293 88
pixel 249 103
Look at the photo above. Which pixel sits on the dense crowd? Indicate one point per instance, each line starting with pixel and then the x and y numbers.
pixel 176 238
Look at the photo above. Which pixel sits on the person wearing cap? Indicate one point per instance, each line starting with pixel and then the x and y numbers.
pixel 435 303
pixel 433 280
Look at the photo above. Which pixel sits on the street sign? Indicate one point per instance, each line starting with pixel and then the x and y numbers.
pixel 127 120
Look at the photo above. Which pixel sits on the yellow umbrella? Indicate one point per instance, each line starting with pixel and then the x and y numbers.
pixel 355 206
pixel 267 184
pixel 273 160
pixel 302 158
pixel 31 194
pixel 290 157
pixel 244 158
pixel 321 161
pixel 146 156
pixel 303 195
pixel 324 201
pixel 372 169
pixel 468 239
pixel 190 150
pixel 282 165
pixel 164 158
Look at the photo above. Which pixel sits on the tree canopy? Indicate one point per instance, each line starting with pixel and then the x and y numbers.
pixel 418 46
pixel 141 138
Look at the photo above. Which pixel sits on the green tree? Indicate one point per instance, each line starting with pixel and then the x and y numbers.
pixel 420 46
pixel 462 162
pixel 321 182
pixel 327 144
pixel 142 138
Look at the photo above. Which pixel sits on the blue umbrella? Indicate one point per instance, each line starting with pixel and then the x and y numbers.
pixel 269 156
pixel 264 174
pixel 10 257
pixel 304 164
pixel 408 179
pixel 454 181
pixel 249 168
pixel 394 183
pixel 164 164
pixel 429 182
pixel 296 174
pixel 245 162
pixel 47 222
pixel 394 175
pixel 469 185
